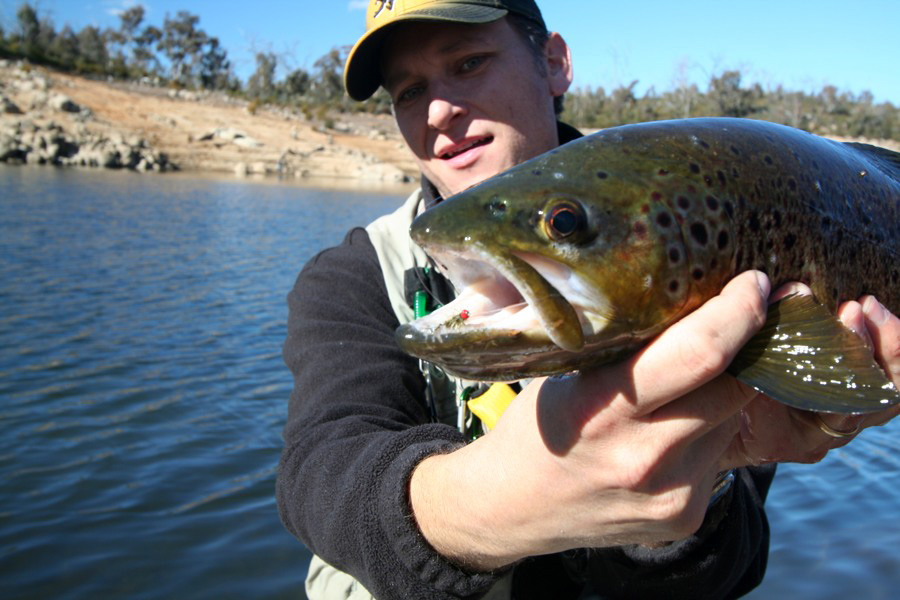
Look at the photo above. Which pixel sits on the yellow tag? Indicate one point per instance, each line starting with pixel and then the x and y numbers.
pixel 490 405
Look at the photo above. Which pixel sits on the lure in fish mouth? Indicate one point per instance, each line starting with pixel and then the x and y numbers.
pixel 580 256
pixel 512 311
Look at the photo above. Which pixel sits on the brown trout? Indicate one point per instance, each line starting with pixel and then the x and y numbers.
pixel 580 256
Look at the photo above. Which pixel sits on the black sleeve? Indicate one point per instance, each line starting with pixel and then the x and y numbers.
pixel 726 558
pixel 357 426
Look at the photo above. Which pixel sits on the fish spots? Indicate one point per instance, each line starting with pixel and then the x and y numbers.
pixel 662 172
pixel 699 233
pixel 729 209
pixel 684 203
pixel 712 203
pixel 789 241
pixel 536 172
pixel 768 159
pixel 722 240
pixel 656 196
pixel 792 184
pixel 697 274
pixel 695 168
pixel 702 143
pixel 708 180
pixel 674 256
pixel 735 151
pixel 640 229
pixel 601 175
pixel 753 223
pixel 673 286
pixel 735 173
pixel 645 209
pixel 721 177
pixel 664 220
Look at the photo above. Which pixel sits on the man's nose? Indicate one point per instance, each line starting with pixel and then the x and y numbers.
pixel 442 110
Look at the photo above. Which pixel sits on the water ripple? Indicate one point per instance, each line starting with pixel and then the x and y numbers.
pixel 142 392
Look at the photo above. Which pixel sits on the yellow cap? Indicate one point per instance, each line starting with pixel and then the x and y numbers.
pixel 362 73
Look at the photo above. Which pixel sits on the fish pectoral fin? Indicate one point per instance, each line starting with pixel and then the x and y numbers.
pixel 806 358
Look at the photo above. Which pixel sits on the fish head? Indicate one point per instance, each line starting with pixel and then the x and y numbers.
pixel 559 263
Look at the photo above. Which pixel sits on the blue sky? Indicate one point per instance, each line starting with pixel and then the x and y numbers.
pixel 800 44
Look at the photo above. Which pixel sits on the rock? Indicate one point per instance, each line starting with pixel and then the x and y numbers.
pixel 63 103
pixel 247 142
pixel 9 107
pixel 383 172
pixel 259 168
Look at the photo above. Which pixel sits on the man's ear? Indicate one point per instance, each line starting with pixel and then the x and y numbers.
pixel 559 64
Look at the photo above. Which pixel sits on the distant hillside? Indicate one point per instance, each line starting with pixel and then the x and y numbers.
pixel 53 118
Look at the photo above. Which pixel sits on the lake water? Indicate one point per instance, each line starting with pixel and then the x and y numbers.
pixel 142 396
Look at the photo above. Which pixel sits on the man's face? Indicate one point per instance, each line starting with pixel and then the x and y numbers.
pixel 470 100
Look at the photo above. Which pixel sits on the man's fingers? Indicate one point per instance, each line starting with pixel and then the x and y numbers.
pixel 699 347
pixel 852 316
pixel 884 329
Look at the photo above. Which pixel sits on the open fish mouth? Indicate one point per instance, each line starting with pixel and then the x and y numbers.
pixel 502 298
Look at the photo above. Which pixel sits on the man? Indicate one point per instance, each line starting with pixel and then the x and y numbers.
pixel 622 460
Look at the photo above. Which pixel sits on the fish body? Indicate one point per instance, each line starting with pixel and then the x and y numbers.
pixel 580 256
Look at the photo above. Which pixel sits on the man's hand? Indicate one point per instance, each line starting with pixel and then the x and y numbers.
pixel 622 454
pixel 773 432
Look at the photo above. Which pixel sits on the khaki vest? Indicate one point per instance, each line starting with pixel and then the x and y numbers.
pixel 396 253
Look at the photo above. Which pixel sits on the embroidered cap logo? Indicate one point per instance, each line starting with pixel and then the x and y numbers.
pixel 385 4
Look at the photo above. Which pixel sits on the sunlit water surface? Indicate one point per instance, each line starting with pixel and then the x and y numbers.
pixel 142 396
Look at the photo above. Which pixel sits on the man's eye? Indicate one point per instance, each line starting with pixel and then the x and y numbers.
pixel 472 63
pixel 409 94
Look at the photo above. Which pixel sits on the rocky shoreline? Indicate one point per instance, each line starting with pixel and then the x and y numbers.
pixel 49 118
pixel 33 136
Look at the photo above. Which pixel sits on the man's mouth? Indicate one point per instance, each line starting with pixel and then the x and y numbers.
pixel 465 147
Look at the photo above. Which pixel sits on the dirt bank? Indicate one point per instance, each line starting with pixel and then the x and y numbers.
pixel 48 117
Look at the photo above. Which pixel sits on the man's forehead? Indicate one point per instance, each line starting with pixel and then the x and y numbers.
pixel 409 40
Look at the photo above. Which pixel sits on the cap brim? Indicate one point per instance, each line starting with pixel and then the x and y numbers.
pixel 362 71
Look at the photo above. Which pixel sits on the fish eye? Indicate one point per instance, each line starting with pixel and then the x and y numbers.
pixel 564 220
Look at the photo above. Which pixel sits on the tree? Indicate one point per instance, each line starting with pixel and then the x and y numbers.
pixel 29 28
pixel 65 48
pixel 92 54
pixel 732 101
pixel 194 57
pixel 328 83
pixel 215 67
pixel 261 84
pixel 144 58
pixel 296 83
pixel 181 42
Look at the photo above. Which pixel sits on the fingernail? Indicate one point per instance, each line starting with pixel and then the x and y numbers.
pixel 874 311
pixel 763 283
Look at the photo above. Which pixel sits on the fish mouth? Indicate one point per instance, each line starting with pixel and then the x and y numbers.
pixel 515 304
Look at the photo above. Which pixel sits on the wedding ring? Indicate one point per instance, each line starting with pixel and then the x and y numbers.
pixel 835 433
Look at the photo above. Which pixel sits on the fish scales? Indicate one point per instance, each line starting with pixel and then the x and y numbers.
pixel 796 206
pixel 580 256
